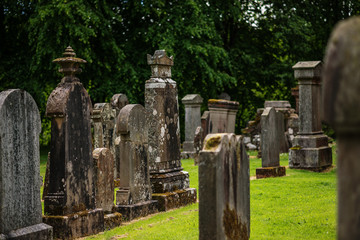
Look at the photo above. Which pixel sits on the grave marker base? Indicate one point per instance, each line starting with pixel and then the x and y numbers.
pixel 314 159
pixel 34 232
pixel 266 172
pixel 175 199
pixel 132 211
pixel 112 220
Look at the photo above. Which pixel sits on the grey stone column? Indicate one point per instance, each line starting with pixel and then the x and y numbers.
pixel 342 111
pixel 222 115
pixel 192 103
pixel 311 150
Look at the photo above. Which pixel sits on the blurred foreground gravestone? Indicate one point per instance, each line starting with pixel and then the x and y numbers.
pixel 170 184
pixel 69 205
pixel 224 188
pixel 272 134
pixel 342 111
pixel 20 204
pixel 133 199
pixel 310 148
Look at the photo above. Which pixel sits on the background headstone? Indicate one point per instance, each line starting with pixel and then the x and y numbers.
pixel 205 122
pixel 198 144
pixel 20 203
pixel 224 188
pixel 222 115
pixel 341 110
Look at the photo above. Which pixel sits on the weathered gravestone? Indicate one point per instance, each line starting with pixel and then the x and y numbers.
pixel 198 144
pixel 170 184
pixel 192 104
pixel 295 94
pixel 310 148
pixel 224 188
pixel 20 203
pixel 222 115
pixel 69 205
pixel 133 198
pixel 342 111
pixel 271 133
pixel 205 122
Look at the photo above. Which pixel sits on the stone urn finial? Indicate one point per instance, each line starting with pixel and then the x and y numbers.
pixel 69 65
pixel 160 64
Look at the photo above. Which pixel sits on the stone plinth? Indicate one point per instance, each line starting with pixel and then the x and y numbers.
pixel 133 199
pixel 222 115
pixel 192 103
pixel 341 110
pixel 161 104
pixel 71 187
pixel 272 133
pixel 20 203
pixel 310 149
pixel 224 188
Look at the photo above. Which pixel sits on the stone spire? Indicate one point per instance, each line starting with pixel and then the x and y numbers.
pixel 69 65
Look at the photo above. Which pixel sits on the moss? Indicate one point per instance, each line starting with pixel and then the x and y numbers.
pixel 297 147
pixel 212 142
pixel 234 228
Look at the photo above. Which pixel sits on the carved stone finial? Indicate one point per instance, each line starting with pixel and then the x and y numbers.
pixel 160 64
pixel 69 65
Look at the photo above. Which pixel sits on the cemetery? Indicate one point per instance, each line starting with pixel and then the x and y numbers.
pixel 153 154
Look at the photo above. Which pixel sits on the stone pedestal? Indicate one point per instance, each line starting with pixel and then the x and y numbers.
pixel 341 111
pixel 222 115
pixel 69 205
pixel 161 104
pixel 224 188
pixel 20 204
pixel 192 103
pixel 310 149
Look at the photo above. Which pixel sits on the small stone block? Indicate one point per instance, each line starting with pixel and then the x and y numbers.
pixel 314 159
pixel 267 172
pixel 112 220
pixel 176 199
pixel 132 211
pixel 34 232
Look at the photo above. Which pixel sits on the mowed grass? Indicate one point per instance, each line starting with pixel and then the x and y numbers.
pixel 301 205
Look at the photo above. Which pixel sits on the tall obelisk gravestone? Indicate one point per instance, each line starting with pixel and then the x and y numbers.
pixel 310 150
pixel 170 185
pixel 20 204
pixel 342 111
pixel 70 201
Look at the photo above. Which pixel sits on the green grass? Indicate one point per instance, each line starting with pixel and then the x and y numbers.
pixel 301 205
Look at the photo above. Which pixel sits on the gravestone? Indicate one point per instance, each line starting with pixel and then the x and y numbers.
pixel 222 115
pixel 103 121
pixel 341 110
pixel 224 188
pixel 192 104
pixel 205 122
pixel 69 205
pixel 310 149
pixel 20 203
pixel 170 184
pixel 198 144
pixel 295 94
pixel 133 198
pixel 118 101
pixel 271 131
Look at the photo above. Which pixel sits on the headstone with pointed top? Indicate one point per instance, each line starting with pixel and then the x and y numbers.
pixel 170 184
pixel 20 203
pixel 69 205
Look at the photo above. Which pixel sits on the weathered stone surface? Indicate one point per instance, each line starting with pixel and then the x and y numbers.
pixel 341 110
pixel 198 143
pixel 277 104
pixel 222 115
pixel 112 220
pixel 295 93
pixel 104 188
pixel 224 188
pixel 71 186
pixel 266 172
pixel 175 199
pixel 118 101
pixel 133 211
pixel 103 123
pixel 306 152
pixel 205 122
pixel 20 203
pixel 192 103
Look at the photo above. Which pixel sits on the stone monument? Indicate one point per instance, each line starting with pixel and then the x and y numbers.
pixel 133 198
pixel 69 205
pixel 170 184
pixel 205 121
pixel 310 149
pixel 192 103
pixel 272 133
pixel 222 115
pixel 224 188
pixel 20 203
pixel 341 110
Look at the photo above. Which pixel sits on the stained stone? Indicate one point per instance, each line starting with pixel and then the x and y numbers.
pixel 103 118
pixel 277 104
pixel 161 104
pixel 224 188
pixel 341 110
pixel 205 122
pixel 192 103
pixel 310 149
pixel 118 101
pixel 198 143
pixel 295 93
pixel 104 188
pixel 20 203
pixel 222 115
pixel 71 188
pixel 135 188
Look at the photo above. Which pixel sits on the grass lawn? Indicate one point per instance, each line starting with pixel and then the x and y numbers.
pixel 301 205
